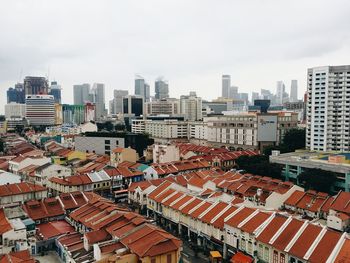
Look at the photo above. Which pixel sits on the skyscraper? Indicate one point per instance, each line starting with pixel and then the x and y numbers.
pixel 116 105
pixel 294 91
pixel 161 88
pixel 142 88
pixel 191 106
pixel 233 93
pixel 327 111
pixel 16 94
pixel 55 91
pixel 98 95
pixel 40 110
pixel 35 86
pixel 280 91
pixel 133 105
pixel 81 93
pixel 226 84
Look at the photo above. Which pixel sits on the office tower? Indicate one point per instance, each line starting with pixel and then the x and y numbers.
pixel 116 105
pixel 226 84
pixel 81 93
pixel 15 110
pixel 55 91
pixel 255 96
pixel 164 106
pixel 142 88
pixel 90 110
pixel 191 106
pixel 161 88
pixel 16 94
pixel 245 97
pixel 98 97
pixel 294 91
pixel 58 114
pixel 133 105
pixel 40 110
pixel 36 86
pixel 328 115
pixel 73 114
pixel 233 93
pixel 280 91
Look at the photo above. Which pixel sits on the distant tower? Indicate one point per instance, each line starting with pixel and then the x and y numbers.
pixel 36 86
pixel 81 94
pixel 142 88
pixel 55 91
pixel 161 88
pixel 294 91
pixel 226 84
pixel 280 91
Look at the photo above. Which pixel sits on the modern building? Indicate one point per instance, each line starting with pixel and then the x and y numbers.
pixel 280 92
pixel 191 106
pixel 233 92
pixel 98 95
pixel 90 110
pixel 255 96
pixel 244 96
pixel 16 94
pixel 328 108
pixel 99 145
pixel 73 114
pixel 40 110
pixel 15 110
pixel 161 88
pixel 166 106
pixel 58 114
pixel 142 88
pixel 293 91
pixel 36 86
pixel 225 86
pixel 116 104
pixel 133 105
pixel 81 94
pixel 55 91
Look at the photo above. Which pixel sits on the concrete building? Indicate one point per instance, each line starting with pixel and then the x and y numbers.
pixel 116 104
pixel 191 106
pixel 280 92
pixel 133 105
pixel 15 110
pixel 165 153
pixel 99 145
pixel 120 154
pixel 233 93
pixel 142 88
pixel 163 106
pixel 255 96
pixel 16 94
pixel 73 114
pixel 90 112
pixel 161 88
pixel 55 91
pixel 36 86
pixel 225 86
pixel 98 95
pixel 328 112
pixel 44 172
pixel 40 110
pixel 163 131
pixel 81 93
pixel 293 91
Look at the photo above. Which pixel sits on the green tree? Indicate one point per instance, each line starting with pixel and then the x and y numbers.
pixel 259 165
pixel 317 179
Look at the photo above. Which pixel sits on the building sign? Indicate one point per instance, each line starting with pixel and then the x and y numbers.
pixel 267 128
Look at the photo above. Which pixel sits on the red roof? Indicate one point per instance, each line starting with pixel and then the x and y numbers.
pixel 255 222
pixel 240 216
pixel 239 257
pixel 49 207
pixel 294 198
pixel 19 188
pixel 213 212
pixel 22 256
pixel 197 212
pixel 341 202
pixel 97 236
pixel 187 208
pixel 5 225
pixel 219 222
pixel 344 253
pixel 73 180
pixel 54 229
pixel 287 234
pixel 271 229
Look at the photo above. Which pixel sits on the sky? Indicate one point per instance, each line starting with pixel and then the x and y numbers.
pixel 191 43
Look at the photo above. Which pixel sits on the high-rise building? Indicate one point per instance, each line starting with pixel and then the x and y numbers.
pixel 116 105
pixel 165 106
pixel 233 93
pixel 142 88
pixel 55 91
pixel 255 96
pixel 161 88
pixel 15 110
pixel 81 93
pixel 226 84
pixel 191 106
pixel 36 86
pixel 133 105
pixel 245 97
pixel 16 94
pixel 328 115
pixel 73 114
pixel 294 91
pixel 90 109
pixel 40 110
pixel 98 96
pixel 280 90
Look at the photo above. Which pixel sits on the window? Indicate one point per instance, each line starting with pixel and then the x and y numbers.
pixel 275 257
pixel 168 258
pixel 153 260
pixel 282 258
pixel 107 141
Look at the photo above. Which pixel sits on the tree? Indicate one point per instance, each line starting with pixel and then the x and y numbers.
pixel 317 179
pixel 1 145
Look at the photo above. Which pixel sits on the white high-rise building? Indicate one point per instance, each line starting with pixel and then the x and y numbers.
pixel 15 110
pixel 293 91
pixel 280 90
pixel 328 108
pixel 226 84
pixel 40 110
pixel 191 106
pixel 98 97
pixel 81 94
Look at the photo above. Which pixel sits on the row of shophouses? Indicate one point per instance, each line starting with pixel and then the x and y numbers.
pixel 231 224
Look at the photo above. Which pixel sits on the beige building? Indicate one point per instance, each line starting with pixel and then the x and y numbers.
pixel 164 106
pixel 165 153
pixel 119 155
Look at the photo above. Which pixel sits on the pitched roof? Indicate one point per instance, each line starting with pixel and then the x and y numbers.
pixel 341 202
pixel 5 225
pixel 22 256
pixel 20 188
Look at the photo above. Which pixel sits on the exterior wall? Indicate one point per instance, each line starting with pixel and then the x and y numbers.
pixel 15 167
pixel 99 145
pixel 52 171
pixel 175 256
pixel 21 198
pixel 165 153
pixel 276 200
pixel 127 154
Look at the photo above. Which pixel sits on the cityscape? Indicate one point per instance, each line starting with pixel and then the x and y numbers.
pixel 150 172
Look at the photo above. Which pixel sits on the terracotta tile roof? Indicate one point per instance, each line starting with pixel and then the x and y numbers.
pixel 326 205
pixel 294 198
pixel 325 247
pixel 270 230
pixel 255 222
pixel 109 248
pixel 219 223
pixel 73 180
pixel 142 184
pixel 305 240
pixel 54 229
pixel 287 234
pixel 19 188
pixel 197 212
pixel 172 198
pixel 22 256
pixel 49 207
pixel 5 225
pixel 341 202
pixel 159 189
pixel 344 252
pixel 181 201
pixel 240 216
pixel 213 212
pixel 96 236
pixel 187 208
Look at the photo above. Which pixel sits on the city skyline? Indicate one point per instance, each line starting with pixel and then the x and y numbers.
pixel 109 49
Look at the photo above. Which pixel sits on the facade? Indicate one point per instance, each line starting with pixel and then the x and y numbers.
pixel 293 91
pixel 163 106
pixel 116 105
pixel 90 112
pixel 18 193
pixel 45 172
pixel 55 91
pixel 15 110
pixel 81 94
pixel 98 95
pixel 142 88
pixel 40 110
pixel 328 108
pixel 165 153
pixel 58 114
pixel 161 88
pixel 191 106
pixel 225 86
pixel 119 155
pixel 16 94
pixel 73 114
pixel 133 105
pixel 167 129
pixel 99 145
pixel 36 86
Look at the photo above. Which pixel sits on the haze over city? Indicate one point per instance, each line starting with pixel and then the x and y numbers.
pixel 190 43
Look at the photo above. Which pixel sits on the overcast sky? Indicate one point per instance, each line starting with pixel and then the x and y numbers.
pixel 189 42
